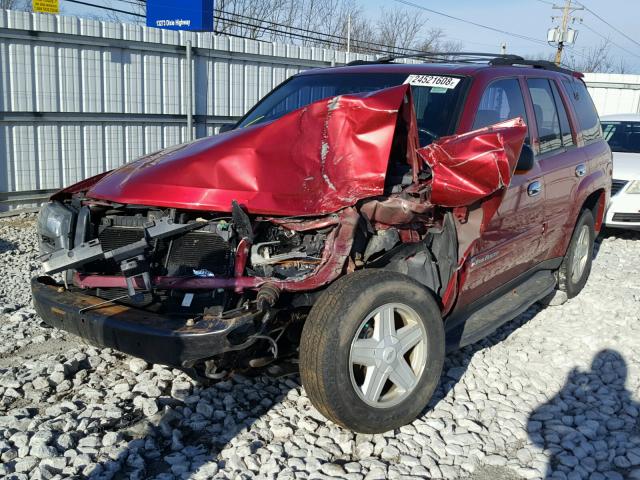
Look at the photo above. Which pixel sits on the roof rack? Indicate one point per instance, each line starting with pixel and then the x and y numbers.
pixel 472 58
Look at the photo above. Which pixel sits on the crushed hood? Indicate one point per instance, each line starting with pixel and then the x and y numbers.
pixel 317 160
pixel 314 160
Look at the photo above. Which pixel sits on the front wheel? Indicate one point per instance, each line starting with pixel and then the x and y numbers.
pixel 372 351
pixel 576 266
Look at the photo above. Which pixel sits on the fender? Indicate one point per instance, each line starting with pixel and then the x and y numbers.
pixel 596 180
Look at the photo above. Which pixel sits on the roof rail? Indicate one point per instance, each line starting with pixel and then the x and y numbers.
pixel 518 60
pixel 471 57
pixel 371 62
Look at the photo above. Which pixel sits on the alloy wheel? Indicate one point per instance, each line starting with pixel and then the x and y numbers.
pixel 388 355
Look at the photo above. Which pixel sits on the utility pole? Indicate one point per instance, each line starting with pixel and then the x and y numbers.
pixel 565 23
pixel 563 34
pixel 503 48
pixel 348 37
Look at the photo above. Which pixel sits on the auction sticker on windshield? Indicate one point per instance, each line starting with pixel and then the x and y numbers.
pixel 432 81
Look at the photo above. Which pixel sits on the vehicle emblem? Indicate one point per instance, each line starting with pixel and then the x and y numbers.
pixel 484 258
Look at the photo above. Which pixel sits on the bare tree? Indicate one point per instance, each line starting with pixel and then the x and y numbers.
pixel 137 7
pixel 306 22
pixel 313 22
pixel 435 41
pixel 24 5
pixel 595 59
pixel 399 29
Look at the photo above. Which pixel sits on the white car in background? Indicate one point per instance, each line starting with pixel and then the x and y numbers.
pixel 623 134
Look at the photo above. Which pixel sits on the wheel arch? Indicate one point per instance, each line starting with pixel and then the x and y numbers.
pixel 591 194
pixel 432 262
pixel 596 202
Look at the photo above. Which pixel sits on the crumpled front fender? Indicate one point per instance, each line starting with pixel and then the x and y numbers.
pixel 469 167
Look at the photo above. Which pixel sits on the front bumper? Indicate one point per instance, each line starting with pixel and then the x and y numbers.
pixel 624 211
pixel 153 337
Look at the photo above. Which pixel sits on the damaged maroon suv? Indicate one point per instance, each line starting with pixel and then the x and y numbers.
pixel 364 219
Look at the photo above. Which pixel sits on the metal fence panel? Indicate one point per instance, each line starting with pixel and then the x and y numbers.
pixel 614 93
pixel 81 96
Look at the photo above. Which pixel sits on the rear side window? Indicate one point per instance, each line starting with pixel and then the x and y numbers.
pixel 585 110
pixel 565 128
pixel 547 119
pixel 502 100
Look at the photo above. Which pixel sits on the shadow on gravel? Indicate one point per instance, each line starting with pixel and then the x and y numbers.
pixel 172 444
pixel 457 362
pixel 185 439
pixel 591 424
pixel 192 432
pixel 6 246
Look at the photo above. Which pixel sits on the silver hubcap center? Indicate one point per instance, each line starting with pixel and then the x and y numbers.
pixel 388 355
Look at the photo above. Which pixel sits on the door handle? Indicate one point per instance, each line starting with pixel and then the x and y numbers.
pixel 581 170
pixel 534 188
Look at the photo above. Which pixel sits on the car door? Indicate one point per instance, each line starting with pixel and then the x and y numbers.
pixel 559 159
pixel 510 244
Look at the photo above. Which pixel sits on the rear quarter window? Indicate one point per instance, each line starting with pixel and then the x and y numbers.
pixel 585 109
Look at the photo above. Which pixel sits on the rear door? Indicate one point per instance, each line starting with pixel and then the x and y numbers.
pixel 561 162
pixel 510 244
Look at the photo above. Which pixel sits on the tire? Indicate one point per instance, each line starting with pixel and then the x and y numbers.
pixel 576 266
pixel 341 320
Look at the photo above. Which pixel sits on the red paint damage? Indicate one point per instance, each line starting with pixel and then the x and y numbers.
pixel 330 156
pixel 469 167
pixel 312 161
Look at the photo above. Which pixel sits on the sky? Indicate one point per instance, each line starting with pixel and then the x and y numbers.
pixel 531 18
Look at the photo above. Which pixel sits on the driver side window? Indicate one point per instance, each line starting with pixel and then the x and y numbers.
pixel 502 100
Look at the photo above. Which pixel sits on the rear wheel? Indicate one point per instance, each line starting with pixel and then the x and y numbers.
pixel 576 266
pixel 372 351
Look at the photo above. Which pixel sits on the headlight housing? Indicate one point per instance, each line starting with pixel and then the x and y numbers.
pixel 634 187
pixel 55 224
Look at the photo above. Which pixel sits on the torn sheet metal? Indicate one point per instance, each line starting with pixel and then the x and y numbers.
pixel 331 265
pixel 469 167
pixel 314 160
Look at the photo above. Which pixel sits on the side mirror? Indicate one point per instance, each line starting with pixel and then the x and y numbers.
pixel 526 161
pixel 225 127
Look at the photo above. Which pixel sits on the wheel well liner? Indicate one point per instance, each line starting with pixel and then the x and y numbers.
pixel 596 203
pixel 431 262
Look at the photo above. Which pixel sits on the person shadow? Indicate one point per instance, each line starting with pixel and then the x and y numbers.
pixel 188 436
pixel 590 428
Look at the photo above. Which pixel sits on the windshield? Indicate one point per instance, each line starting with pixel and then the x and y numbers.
pixel 435 106
pixel 622 136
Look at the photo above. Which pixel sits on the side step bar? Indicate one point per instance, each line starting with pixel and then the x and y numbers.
pixel 472 326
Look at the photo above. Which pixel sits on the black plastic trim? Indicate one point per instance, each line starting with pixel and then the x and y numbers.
pixel 153 337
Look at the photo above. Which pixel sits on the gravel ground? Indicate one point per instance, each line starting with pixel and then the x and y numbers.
pixel 554 394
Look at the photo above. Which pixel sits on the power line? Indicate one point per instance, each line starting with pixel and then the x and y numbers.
pixel 134 3
pixel 273 24
pixel 393 50
pixel 607 23
pixel 480 25
pixel 609 40
pixel 387 49
pixel 117 10
pixel 291 27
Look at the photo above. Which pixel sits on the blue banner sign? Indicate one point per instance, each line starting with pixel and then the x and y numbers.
pixel 196 15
